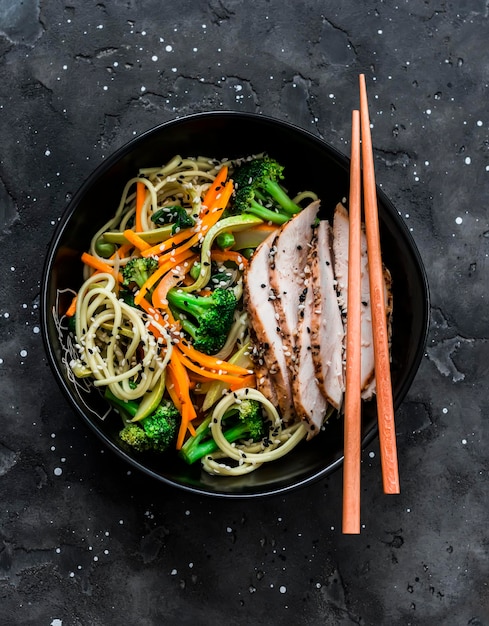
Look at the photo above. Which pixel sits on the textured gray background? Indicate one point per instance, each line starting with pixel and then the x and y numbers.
pixel 83 541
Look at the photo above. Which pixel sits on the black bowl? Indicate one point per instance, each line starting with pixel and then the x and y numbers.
pixel 309 162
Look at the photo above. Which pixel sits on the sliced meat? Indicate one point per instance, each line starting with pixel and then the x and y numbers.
pixel 368 389
pixel 288 270
pixel 340 252
pixel 327 332
pixel 268 347
pixel 310 403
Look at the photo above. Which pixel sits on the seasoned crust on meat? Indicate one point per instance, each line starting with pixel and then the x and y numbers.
pixel 268 346
pixel 327 331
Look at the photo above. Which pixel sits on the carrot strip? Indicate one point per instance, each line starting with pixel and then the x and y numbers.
pixel 175 398
pixel 122 251
pixel 189 237
pixel 169 280
pixel 215 186
pixel 140 197
pixel 71 310
pixel 385 408
pixel 352 424
pixel 180 380
pixel 155 315
pixel 246 381
pixel 208 361
pixel 136 240
pixel 211 374
pixel 98 265
pixel 229 255
pixel 162 270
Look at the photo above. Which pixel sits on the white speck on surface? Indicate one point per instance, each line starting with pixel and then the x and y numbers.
pixel 36 330
pixel 468 161
pixel 154 57
pixel 458 220
pixel 380 31
pixel 428 111
pixel 464 442
pixel 173 572
pixel 371 454
pixel 168 48
pixel 23 353
pixel 143 88
pixel 57 471
pixel 47 152
pixel 229 529
pixel 444 410
pixel 283 589
pixel 479 123
pixel 57 622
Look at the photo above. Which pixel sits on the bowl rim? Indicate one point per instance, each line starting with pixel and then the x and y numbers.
pixel 71 207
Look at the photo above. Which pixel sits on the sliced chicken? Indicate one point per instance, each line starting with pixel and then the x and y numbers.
pixel 288 271
pixel 310 403
pixel 268 346
pixel 340 251
pixel 327 331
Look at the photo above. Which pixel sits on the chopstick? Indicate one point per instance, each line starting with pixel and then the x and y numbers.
pixel 352 425
pixel 385 408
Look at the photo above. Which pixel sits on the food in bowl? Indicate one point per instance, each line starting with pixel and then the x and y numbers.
pixel 212 313
pixel 309 162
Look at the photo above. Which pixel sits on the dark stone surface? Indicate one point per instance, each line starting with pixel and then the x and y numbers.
pixel 85 541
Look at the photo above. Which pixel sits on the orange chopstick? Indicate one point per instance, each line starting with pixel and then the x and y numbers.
pixel 353 415
pixel 385 408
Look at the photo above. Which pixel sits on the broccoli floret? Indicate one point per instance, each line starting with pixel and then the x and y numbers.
pixel 212 316
pixel 245 421
pixel 135 437
pixel 138 270
pixel 175 215
pixel 258 191
pixel 154 433
pixel 161 427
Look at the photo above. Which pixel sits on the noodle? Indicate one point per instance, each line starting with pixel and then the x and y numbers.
pixel 126 349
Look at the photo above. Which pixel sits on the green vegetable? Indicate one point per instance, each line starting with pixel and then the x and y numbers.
pixel 175 215
pixel 258 191
pixel 104 248
pixel 225 240
pixel 156 432
pixel 138 270
pixel 211 316
pixel 235 223
pixel 245 421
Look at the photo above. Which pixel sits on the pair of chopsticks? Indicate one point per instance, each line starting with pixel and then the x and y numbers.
pixel 362 160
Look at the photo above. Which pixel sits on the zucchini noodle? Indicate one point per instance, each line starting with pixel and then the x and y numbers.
pixel 110 333
pixel 279 442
